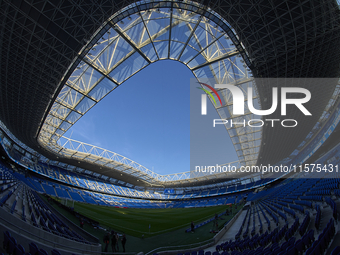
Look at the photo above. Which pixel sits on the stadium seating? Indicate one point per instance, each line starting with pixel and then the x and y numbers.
pixel 336 251
pixel 22 201
pixel 11 246
pixel 83 181
pixel 288 205
pixel 294 216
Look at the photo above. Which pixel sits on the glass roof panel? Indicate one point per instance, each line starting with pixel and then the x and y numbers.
pixel 144 36
pixel 102 89
pixel 112 55
pixel 59 132
pixel 73 117
pixel 105 41
pixel 198 60
pixel 53 121
pixel 65 126
pixel 235 139
pixel 158 29
pixel 138 34
pixel 162 49
pixel 188 54
pixel 59 110
pixel 70 99
pixel 194 41
pixel 232 132
pixel 55 137
pixel 84 105
pixel 226 43
pixel 80 69
pixel 202 35
pixel 180 30
pixel 50 129
pixel 87 80
pixel 176 49
pixel 218 50
pixel 204 72
pixel 149 52
pixel 128 67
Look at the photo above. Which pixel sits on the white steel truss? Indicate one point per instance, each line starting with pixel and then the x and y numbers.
pixel 86 152
pixel 132 39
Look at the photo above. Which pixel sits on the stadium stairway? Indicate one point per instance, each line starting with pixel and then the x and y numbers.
pixel 230 234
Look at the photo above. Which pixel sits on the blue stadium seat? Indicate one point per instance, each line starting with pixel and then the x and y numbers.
pixel 284 246
pixel 33 248
pixel 291 250
pixel 299 246
pixel 12 245
pixel 42 252
pixel 336 251
pixel 55 252
pixel 13 206
pixel 19 250
pixel 5 243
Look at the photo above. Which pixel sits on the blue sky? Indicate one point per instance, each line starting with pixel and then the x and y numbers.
pixel 146 119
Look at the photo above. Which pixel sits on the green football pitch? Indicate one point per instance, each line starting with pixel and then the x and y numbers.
pixel 147 222
pixel 148 229
pixel 167 226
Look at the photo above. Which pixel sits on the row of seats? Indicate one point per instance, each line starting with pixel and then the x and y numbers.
pixel 26 205
pixel 11 246
pixel 97 198
pixel 304 224
pixel 84 181
pixel 271 213
pixel 50 222
pixel 320 245
pixel 294 206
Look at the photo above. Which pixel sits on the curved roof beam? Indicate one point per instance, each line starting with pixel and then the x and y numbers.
pixel 140 35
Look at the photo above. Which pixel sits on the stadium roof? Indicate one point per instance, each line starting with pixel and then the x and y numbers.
pixel 45 43
pixel 138 36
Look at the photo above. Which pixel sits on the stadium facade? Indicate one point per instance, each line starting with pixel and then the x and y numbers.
pixel 60 58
